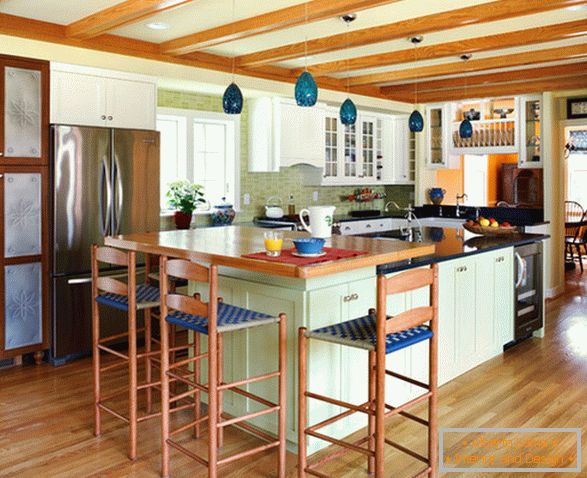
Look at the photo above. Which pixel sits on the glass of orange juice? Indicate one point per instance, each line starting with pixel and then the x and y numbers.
pixel 273 243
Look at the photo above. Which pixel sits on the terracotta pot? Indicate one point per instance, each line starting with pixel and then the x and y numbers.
pixel 182 220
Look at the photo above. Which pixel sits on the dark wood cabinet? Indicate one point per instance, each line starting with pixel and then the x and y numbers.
pixel 522 187
pixel 24 206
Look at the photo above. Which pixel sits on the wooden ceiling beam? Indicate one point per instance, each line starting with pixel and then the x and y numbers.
pixel 557 71
pixel 53 33
pixel 500 90
pixel 289 17
pixel 487 12
pixel 129 11
pixel 455 68
pixel 528 36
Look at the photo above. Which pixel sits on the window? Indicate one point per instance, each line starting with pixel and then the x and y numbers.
pixel 202 147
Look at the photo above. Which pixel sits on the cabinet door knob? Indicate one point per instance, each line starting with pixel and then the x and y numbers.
pixel 346 298
pixel 103 117
pixel 109 118
pixel 354 296
pixel 1 176
pixel 1 154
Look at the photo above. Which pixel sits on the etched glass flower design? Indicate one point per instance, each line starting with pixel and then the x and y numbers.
pixel 306 91
pixel 348 112
pixel 22 213
pixel 23 113
pixel 232 101
pixel 416 122
pixel 23 306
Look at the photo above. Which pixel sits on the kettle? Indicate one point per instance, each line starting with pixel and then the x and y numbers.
pixel 273 209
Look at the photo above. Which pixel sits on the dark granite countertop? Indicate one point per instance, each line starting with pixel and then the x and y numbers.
pixel 453 243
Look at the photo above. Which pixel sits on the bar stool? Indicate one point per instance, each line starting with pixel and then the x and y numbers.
pixel 213 319
pixel 398 332
pixel 130 298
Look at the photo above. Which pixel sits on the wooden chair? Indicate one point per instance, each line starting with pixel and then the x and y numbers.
pixel 213 319
pixel 404 330
pixel 574 215
pixel 130 298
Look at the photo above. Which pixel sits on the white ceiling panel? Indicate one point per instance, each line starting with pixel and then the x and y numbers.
pixel 200 15
pixel 55 11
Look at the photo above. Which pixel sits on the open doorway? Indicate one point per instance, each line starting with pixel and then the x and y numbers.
pixel 576 197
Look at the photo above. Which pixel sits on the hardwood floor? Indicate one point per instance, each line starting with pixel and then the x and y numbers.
pixel 46 412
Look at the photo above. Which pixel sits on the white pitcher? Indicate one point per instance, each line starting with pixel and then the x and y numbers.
pixel 321 219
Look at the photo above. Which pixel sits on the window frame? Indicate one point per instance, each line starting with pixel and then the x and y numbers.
pixel 192 116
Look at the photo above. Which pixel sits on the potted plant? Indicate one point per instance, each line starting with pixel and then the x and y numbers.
pixel 184 196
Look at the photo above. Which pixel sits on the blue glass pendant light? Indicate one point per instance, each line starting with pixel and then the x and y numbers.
pixel 465 129
pixel 348 112
pixel 232 101
pixel 416 122
pixel 306 91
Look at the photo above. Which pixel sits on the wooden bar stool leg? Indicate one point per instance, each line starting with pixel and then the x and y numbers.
pixel 197 374
pixel 164 336
pixel 433 381
pixel 172 343
pixel 133 383
pixel 96 351
pixel 148 363
pixel 302 403
pixel 371 418
pixel 220 393
pixel 282 394
pixel 213 377
pixel 380 379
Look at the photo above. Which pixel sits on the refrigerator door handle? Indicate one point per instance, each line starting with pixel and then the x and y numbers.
pixel 119 197
pixel 104 180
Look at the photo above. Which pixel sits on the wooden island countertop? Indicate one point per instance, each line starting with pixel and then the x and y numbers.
pixel 225 246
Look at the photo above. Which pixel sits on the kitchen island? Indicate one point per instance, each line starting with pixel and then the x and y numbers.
pixel 476 309
pixel 311 296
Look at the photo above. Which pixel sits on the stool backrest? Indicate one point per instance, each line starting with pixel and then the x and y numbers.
pixel 193 305
pixel 109 255
pixel 405 282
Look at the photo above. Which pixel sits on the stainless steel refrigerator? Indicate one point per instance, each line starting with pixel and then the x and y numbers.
pixel 105 182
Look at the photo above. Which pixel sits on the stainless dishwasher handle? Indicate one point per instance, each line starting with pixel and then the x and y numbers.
pixel 521 269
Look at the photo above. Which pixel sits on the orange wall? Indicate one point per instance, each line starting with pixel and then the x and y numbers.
pixel 453 181
pixel 494 163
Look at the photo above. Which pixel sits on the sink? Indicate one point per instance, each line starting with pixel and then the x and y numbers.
pixel 442 222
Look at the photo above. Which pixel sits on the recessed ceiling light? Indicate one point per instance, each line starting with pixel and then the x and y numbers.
pixel 157 26
pixel 576 8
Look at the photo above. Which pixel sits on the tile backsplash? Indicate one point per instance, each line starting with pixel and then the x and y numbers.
pixel 288 181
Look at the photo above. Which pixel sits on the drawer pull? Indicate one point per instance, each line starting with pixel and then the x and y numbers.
pixel 500 259
pixel 462 269
pixel 348 298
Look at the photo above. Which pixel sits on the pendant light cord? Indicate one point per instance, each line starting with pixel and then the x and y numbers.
pixel 305 36
pixel 348 78
pixel 233 47
pixel 416 83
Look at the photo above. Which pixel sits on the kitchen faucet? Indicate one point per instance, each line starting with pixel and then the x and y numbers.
pixel 410 216
pixel 459 197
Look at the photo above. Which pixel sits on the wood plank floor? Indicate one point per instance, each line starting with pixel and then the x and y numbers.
pixel 46 412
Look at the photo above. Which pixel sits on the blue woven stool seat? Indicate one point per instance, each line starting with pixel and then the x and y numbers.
pixel 230 318
pixel 147 297
pixel 361 333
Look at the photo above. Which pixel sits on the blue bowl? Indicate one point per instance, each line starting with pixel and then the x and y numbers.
pixel 309 245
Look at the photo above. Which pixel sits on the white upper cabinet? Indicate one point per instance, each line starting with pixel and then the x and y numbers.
pixel 94 97
pixel 437 133
pixel 283 134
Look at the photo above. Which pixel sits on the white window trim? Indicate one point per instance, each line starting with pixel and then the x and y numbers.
pixel 192 115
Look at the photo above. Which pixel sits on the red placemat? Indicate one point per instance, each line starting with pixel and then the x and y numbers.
pixel 287 256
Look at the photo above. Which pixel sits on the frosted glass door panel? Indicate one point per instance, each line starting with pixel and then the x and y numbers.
pixel 22 113
pixel 22 309
pixel 22 214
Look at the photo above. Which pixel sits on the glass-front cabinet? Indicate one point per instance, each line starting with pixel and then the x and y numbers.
pixel 365 153
pixel 531 131
pixel 24 176
pixel 437 130
pixel 24 129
